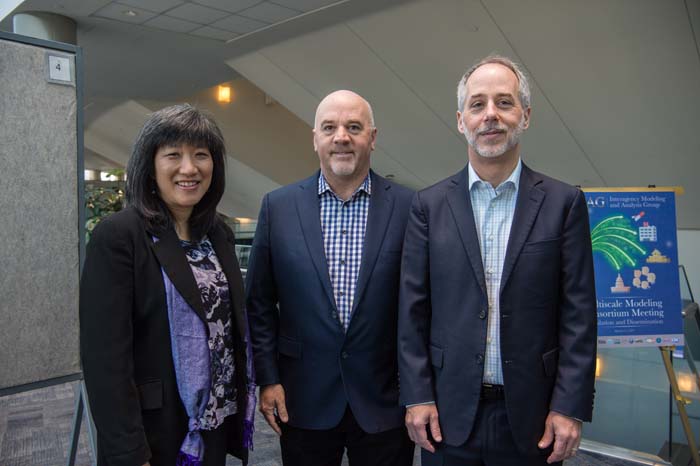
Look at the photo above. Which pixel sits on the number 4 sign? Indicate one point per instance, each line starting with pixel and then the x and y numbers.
pixel 60 68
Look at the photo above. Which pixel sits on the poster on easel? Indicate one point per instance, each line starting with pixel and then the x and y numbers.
pixel 635 256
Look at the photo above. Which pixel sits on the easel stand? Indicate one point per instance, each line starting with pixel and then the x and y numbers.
pixel 681 401
pixel 81 406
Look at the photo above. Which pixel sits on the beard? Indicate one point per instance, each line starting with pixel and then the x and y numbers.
pixel 493 151
pixel 344 168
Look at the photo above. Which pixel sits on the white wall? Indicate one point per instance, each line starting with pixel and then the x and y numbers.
pixel 7 6
pixel 689 256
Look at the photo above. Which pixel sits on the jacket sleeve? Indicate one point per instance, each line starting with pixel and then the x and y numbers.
pixel 574 387
pixel 415 373
pixel 106 346
pixel 261 301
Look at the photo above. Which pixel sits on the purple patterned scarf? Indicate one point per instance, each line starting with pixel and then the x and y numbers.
pixel 188 337
pixel 190 348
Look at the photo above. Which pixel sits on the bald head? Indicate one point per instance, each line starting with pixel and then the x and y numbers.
pixel 344 98
pixel 344 137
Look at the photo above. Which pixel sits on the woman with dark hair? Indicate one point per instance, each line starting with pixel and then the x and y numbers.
pixel 164 335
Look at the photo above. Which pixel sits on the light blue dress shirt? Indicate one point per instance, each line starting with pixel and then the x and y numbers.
pixel 493 215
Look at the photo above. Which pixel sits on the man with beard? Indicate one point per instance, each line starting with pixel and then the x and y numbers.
pixel 497 313
pixel 322 299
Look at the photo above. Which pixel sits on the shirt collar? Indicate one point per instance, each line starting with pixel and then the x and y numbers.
pixel 513 179
pixel 324 187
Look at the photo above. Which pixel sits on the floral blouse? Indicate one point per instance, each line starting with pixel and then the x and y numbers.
pixel 214 290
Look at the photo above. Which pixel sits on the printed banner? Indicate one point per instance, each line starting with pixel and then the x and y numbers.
pixel 635 255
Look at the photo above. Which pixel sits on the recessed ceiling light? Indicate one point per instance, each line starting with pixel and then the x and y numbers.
pixel 130 13
pixel 224 94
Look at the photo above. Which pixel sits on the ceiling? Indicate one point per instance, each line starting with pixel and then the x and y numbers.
pixel 221 20
pixel 616 85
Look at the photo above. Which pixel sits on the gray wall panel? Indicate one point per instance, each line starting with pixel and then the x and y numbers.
pixel 38 220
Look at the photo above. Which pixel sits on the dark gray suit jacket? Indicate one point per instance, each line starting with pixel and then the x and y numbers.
pixel 547 308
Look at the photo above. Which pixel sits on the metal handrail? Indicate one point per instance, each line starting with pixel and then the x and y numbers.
pixel 631 456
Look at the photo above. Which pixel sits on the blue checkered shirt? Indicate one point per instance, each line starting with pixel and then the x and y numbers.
pixel 343 225
pixel 493 215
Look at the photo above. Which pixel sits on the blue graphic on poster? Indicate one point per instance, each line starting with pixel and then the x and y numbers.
pixel 635 255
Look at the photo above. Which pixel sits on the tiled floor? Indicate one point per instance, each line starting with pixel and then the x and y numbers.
pixel 35 430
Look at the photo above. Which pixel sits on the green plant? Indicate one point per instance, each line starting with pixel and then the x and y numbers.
pixel 101 200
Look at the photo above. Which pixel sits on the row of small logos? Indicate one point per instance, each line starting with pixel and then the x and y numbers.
pixel 633 341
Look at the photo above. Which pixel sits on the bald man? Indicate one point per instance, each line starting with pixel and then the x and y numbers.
pixel 322 298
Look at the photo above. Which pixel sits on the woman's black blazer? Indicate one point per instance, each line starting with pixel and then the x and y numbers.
pixel 125 339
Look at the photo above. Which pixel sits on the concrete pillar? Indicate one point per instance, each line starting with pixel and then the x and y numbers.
pixel 49 26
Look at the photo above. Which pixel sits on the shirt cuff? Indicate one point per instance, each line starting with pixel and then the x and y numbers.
pixel 570 417
pixel 420 404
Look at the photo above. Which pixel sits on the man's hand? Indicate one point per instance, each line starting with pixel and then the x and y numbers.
pixel 271 404
pixel 566 434
pixel 417 418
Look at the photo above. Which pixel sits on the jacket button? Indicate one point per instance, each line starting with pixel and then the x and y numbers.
pixel 508 361
pixel 479 358
pixel 344 355
pixel 482 314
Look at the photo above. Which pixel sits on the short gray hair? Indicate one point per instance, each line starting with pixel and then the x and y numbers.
pixel 523 84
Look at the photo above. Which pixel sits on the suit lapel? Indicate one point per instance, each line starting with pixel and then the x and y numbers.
pixel 527 206
pixel 226 254
pixel 380 208
pixel 461 206
pixel 172 259
pixel 309 212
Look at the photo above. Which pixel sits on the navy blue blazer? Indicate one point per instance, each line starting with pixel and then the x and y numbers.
pixel 547 307
pixel 298 339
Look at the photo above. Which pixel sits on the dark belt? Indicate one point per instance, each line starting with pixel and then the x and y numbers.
pixel 492 392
